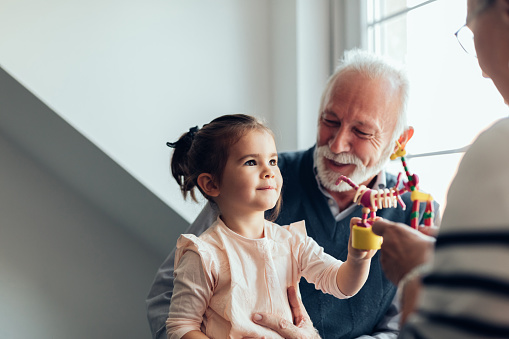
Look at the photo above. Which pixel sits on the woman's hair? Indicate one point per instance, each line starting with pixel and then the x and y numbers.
pixel 206 150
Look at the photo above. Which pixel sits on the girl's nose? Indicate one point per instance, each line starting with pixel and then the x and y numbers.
pixel 269 173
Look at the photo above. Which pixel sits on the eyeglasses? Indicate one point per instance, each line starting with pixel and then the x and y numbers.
pixel 466 40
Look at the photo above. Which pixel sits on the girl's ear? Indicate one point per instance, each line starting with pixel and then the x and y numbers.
pixel 208 185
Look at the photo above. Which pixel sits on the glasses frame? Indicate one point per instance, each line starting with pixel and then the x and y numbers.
pixel 469 47
pixel 479 10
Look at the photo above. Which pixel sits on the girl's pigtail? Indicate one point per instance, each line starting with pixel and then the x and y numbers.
pixel 180 168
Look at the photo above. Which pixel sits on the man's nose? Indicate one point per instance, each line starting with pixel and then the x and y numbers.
pixel 341 141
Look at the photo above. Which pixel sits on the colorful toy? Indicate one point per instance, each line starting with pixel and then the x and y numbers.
pixel 416 196
pixel 373 200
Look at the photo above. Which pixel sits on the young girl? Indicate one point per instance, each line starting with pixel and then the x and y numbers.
pixel 243 263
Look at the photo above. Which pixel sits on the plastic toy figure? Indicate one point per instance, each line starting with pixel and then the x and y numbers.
pixel 373 200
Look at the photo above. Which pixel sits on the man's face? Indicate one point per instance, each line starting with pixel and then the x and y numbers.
pixel 355 128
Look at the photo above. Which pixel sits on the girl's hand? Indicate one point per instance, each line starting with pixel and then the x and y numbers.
pixel 353 273
pixel 354 253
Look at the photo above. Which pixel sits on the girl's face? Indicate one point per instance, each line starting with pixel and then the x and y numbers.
pixel 251 179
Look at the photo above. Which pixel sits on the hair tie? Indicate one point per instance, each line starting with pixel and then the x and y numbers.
pixel 192 132
pixel 189 135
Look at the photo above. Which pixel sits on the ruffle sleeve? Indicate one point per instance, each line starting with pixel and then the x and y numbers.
pixel 190 242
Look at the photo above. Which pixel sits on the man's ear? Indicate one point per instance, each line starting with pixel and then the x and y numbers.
pixel 208 185
pixel 405 137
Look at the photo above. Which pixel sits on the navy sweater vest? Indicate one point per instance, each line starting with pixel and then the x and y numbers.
pixel 302 200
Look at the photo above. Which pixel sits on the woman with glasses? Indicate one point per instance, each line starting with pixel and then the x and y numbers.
pixel 458 285
pixel 464 291
pixel 465 294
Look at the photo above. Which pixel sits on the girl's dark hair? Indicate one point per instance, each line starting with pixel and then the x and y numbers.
pixel 206 150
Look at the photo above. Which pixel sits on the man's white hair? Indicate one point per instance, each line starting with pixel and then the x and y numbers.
pixel 374 66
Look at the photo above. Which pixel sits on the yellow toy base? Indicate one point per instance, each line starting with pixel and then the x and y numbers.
pixel 363 238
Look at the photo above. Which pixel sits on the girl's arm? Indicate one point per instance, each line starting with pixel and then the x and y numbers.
pixel 158 300
pixel 191 295
pixel 354 272
pixel 330 275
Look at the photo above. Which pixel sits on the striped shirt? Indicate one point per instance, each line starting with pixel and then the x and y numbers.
pixel 466 294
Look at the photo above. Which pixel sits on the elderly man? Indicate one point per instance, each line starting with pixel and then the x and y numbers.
pixel 362 115
pixel 461 279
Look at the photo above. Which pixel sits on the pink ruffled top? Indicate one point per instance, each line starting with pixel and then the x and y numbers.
pixel 222 278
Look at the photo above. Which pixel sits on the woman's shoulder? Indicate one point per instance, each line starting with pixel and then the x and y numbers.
pixel 489 147
pixel 497 131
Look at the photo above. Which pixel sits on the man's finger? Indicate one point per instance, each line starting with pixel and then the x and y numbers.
pixel 277 324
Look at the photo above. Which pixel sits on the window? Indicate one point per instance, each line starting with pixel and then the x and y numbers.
pixel 450 102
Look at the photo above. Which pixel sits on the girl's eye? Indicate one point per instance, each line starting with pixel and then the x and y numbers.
pixel 273 162
pixel 250 163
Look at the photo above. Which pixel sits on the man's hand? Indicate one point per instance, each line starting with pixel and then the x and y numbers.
pixel 403 248
pixel 302 328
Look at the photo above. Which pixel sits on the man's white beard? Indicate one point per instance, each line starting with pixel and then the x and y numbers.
pixel 360 174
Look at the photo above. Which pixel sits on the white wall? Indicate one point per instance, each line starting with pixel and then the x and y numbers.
pixel 66 269
pixel 131 75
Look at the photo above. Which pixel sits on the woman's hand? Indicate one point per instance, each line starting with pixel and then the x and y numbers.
pixel 403 248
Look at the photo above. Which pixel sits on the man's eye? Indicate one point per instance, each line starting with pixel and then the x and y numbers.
pixel 250 163
pixel 363 134
pixel 331 123
pixel 273 162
